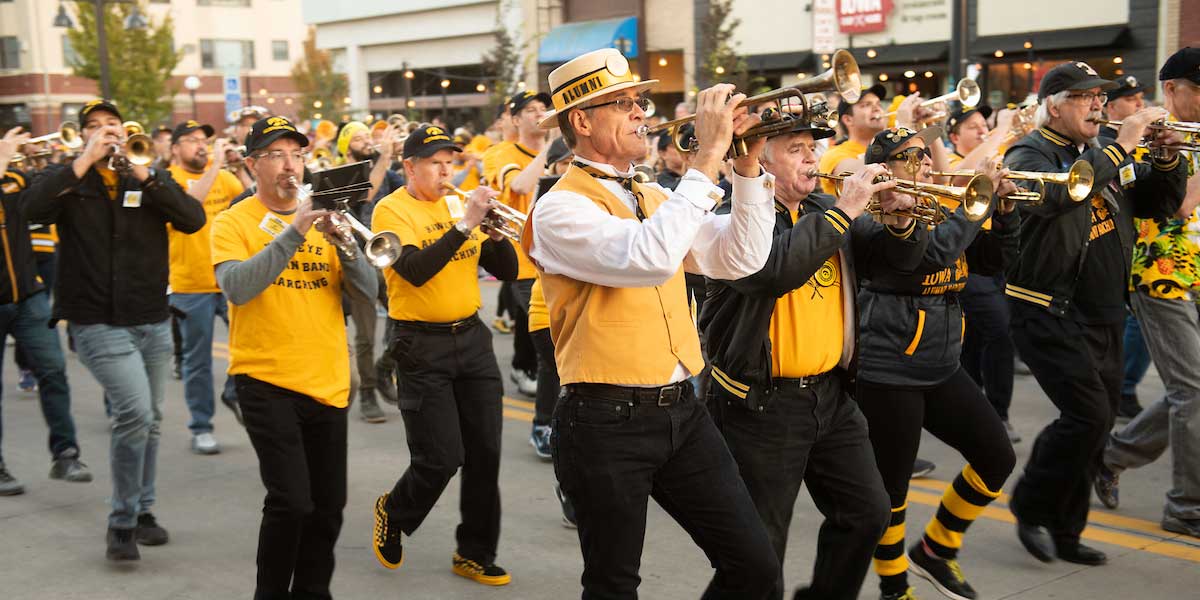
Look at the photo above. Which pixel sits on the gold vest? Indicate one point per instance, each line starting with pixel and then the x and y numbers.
pixel 621 336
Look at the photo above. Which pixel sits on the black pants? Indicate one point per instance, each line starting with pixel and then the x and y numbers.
pixel 450 390
pixel 612 455
pixel 547 377
pixel 524 354
pixel 987 349
pixel 1080 368
pixel 301 447
pixel 816 436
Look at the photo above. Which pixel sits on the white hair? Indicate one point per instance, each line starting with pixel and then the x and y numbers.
pixel 1042 118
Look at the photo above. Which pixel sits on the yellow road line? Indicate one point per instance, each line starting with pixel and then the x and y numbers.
pixel 519 403
pixel 520 415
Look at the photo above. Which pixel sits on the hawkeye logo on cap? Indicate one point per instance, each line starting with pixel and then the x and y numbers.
pixel 433 134
pixel 192 123
pixel 277 123
pixel 1086 68
pixel 92 104
pixel 1131 81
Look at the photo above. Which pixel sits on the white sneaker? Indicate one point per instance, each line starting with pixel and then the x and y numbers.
pixel 525 384
pixel 205 443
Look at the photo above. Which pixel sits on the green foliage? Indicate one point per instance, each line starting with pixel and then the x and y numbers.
pixel 140 62
pixel 316 80
pixel 504 65
pixel 722 63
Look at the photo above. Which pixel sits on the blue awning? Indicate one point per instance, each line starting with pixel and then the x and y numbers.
pixel 573 39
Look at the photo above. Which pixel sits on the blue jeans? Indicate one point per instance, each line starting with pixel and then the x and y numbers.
pixel 1137 357
pixel 132 365
pixel 196 331
pixel 27 322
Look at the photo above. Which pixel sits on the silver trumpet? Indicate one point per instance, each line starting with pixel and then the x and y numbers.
pixel 505 220
pixel 381 249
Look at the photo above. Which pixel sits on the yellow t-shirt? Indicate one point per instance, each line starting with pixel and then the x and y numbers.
pixel 806 325
pixel 452 294
pixel 501 163
pixel 293 334
pixel 191 254
pixel 539 315
pixel 111 181
pixel 831 158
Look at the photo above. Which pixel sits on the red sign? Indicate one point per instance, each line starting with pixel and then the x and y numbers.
pixel 863 16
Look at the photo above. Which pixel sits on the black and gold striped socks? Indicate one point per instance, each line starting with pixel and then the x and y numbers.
pixel 962 503
pixel 891 564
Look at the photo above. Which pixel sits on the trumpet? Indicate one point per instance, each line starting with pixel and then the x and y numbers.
pixel 321 159
pixel 136 150
pixel 380 249
pixel 18 158
pixel 842 77
pixel 67 134
pixel 1078 180
pixel 1185 127
pixel 975 197
pixel 967 92
pixel 505 220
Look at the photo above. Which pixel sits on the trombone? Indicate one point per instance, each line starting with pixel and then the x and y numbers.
pixel 1078 180
pixel 504 219
pixel 67 134
pixel 967 92
pixel 380 249
pixel 842 77
pixel 975 197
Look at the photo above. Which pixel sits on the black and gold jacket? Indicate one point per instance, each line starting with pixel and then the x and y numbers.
pixel 910 321
pixel 19 276
pixel 736 315
pixel 1055 234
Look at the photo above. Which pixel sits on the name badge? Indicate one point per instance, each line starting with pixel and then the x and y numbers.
pixel 1127 175
pixel 132 200
pixel 455 204
pixel 272 224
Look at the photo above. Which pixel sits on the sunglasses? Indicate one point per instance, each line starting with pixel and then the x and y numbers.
pixel 911 153
pixel 624 104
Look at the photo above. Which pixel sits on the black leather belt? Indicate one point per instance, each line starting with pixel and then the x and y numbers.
pixel 452 327
pixel 783 383
pixel 660 396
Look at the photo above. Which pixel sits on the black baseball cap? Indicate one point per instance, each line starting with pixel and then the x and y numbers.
pixel 162 129
pixel 187 127
pixel 266 131
pixel 1075 75
pixel 96 105
pixel 805 126
pixel 1126 86
pixel 887 141
pixel 1184 64
pixel 960 113
pixel 878 89
pixel 428 140
pixel 520 99
pixel 558 152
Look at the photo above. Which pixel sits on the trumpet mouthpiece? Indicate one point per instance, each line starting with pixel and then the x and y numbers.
pixel 643 131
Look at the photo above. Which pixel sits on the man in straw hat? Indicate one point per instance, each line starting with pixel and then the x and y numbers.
pixel 611 253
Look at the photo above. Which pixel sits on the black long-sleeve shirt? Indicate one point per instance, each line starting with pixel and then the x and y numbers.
pixel 419 265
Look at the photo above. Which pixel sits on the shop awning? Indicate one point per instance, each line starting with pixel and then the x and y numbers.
pixel 781 61
pixel 901 54
pixel 1063 39
pixel 572 39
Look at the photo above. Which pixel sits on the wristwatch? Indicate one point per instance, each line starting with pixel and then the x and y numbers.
pixel 463 229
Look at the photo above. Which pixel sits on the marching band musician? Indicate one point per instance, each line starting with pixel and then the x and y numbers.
pixel 859 121
pixel 909 375
pixel 284 281
pixel 1067 291
pixel 449 384
pixel 111 290
pixel 611 253
pixel 194 290
pixel 781 343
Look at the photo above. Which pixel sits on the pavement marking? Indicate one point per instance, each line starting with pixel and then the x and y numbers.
pixel 519 403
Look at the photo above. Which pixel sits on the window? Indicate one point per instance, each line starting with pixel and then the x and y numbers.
pixel 226 54
pixel 70 56
pixel 10 52
pixel 279 50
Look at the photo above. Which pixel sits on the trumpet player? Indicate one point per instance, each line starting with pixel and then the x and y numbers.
pixel 1124 100
pixel 111 290
pixel 910 377
pixel 194 290
pixel 161 139
pixel 1165 277
pixel 1067 292
pixel 449 384
pixel 859 122
pixel 288 356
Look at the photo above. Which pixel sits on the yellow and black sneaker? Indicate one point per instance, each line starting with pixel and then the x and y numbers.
pixel 487 575
pixel 387 543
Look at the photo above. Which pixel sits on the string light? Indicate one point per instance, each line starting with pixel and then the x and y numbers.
pixel 662 62
pixel 378 89
pixel 871 53
pixel 1118 60
pixel 928 74
pixel 998 54
pixel 1028 45
pixel 481 88
pixel 719 70
pixel 317 104
pixel 910 74
pixel 883 77
pixel 408 75
pixel 316 115
pixel 445 83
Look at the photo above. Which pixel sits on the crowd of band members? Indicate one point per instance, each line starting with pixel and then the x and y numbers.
pixel 730 328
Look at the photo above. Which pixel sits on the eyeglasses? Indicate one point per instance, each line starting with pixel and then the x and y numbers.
pixel 191 140
pixel 624 104
pixel 1088 97
pixel 278 155
pixel 907 155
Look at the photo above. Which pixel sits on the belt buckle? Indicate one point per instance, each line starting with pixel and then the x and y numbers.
pixel 455 326
pixel 668 395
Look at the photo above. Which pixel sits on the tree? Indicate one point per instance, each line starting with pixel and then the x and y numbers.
pixel 140 61
pixel 504 65
pixel 316 80
pixel 722 62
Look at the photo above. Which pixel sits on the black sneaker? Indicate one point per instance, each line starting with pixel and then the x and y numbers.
pixel 121 545
pixel 231 403
pixel 568 509
pixel 944 574
pixel 921 468
pixel 385 383
pixel 1108 487
pixel 485 574
pixel 388 545
pixel 909 594
pixel 9 486
pixel 68 467
pixel 540 440
pixel 149 532
pixel 1129 406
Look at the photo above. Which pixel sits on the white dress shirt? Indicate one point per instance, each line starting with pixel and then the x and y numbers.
pixel 574 237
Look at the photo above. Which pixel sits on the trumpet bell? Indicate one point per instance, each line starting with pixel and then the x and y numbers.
pixel 133 128
pixel 1080 180
pixel 326 130
pixel 382 249
pixel 68 134
pixel 977 198
pixel 969 93
pixel 139 149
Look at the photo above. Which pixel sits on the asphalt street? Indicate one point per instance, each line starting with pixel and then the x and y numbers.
pixel 52 537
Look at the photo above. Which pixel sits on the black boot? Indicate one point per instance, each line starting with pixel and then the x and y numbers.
pixel 371 412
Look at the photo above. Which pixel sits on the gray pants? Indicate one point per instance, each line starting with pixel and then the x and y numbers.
pixel 1172 332
pixel 362 312
pixel 131 364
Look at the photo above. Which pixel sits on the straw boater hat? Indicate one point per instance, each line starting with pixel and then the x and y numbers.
pixel 585 77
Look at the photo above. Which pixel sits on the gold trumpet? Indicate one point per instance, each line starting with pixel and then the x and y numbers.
pixel 18 158
pixel 1078 180
pixel 505 220
pixel 975 197
pixel 1185 127
pixel 380 249
pixel 136 150
pixel 967 92
pixel 321 159
pixel 842 77
pixel 67 134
